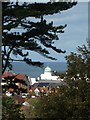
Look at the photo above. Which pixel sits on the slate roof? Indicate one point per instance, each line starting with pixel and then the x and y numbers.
pixel 49 83
pixel 41 84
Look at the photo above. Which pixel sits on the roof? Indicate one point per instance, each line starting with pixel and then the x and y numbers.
pixel 7 75
pixel 18 76
pixel 49 83
pixel 41 84
pixel 47 69
pixel 54 84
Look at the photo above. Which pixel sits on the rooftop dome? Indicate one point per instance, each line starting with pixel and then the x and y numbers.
pixel 47 69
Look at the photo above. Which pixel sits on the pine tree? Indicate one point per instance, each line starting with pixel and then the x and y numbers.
pixel 15 16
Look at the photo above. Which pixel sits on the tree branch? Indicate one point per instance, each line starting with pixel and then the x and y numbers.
pixel 8 55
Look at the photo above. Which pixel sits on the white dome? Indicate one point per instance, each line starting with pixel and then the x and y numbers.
pixel 47 69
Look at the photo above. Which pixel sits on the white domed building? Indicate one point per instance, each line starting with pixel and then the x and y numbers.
pixel 48 75
pixel 47 78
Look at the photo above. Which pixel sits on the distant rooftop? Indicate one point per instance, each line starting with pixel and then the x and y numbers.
pixel 49 83
pixel 47 69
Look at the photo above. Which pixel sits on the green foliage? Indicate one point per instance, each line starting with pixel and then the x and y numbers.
pixel 10 111
pixel 68 103
pixel 79 63
pixel 51 106
pixel 71 102
pixel 30 112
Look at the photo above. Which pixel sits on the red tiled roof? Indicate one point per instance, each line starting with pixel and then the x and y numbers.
pixel 20 76
pixel 7 74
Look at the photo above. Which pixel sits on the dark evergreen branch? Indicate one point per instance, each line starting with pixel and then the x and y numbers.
pixel 30 62
pixel 36 9
pixel 37 34
pixel 7 60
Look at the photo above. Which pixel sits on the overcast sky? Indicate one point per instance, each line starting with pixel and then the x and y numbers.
pixel 76 31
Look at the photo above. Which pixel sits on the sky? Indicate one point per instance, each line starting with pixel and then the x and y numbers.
pixel 75 33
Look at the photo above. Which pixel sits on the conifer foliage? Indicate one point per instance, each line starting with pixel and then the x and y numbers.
pixel 25 29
